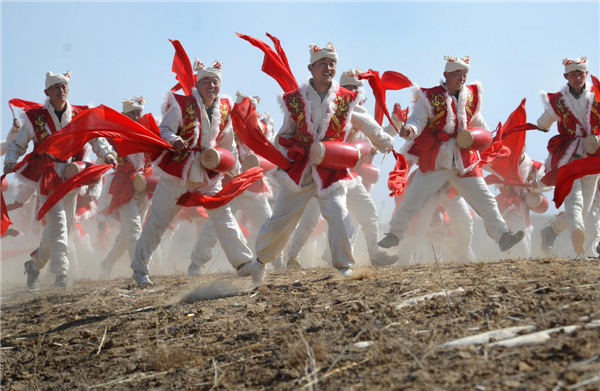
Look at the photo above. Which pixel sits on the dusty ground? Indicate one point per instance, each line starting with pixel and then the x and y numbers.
pixel 300 330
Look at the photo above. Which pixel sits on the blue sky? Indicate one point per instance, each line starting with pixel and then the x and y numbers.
pixel 117 50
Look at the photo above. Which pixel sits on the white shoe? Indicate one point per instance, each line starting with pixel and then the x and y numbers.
pixel 578 239
pixel 142 280
pixel 346 272
pixel 245 269
pixel 259 272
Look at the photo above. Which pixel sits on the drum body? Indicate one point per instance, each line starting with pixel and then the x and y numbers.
pixel 4 184
pixel 334 154
pixel 217 159
pixel 476 139
pixel 257 161
pixel 591 144
pixel 145 184
pixel 542 207
pixel 368 172
pixel 74 168
pixel 364 148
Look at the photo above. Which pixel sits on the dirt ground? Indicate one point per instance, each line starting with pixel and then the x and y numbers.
pixel 309 330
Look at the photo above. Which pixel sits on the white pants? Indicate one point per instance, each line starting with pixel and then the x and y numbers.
pixel 55 237
pixel 132 216
pixel 474 190
pixel 276 231
pixel 461 226
pixel 257 210
pixel 363 208
pixel 579 201
pixel 164 209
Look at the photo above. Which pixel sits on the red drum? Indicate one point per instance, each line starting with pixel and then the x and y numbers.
pixel 257 161
pixel 74 168
pixel 364 148
pixel 4 185
pixel 145 184
pixel 476 139
pixel 334 154
pixel 591 144
pixel 217 159
pixel 538 203
pixel 368 172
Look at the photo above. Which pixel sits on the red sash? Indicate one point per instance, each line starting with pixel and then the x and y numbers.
pixel 121 187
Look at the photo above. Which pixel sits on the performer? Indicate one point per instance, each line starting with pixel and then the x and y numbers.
pixel 575 109
pixel 358 199
pixel 119 196
pixel 46 173
pixel 320 110
pixel 191 124
pixel 254 203
pixel 438 115
pixel 512 200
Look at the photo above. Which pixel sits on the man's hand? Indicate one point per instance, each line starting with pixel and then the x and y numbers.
pixel 179 144
pixel 9 167
pixel 543 130
pixel 109 159
pixel 16 125
pixel 405 131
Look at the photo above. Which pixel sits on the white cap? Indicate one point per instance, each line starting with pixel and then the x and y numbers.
pixel 454 63
pixel 203 71
pixel 137 103
pixel 52 79
pixel 575 64
pixel 317 53
pixel 350 78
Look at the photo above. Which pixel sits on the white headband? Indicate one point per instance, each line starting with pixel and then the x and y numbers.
pixel 350 78
pixel 137 103
pixel 52 79
pixel 317 53
pixel 203 71
pixel 454 63
pixel 575 64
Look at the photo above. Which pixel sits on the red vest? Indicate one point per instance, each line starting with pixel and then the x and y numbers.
pixel 174 162
pixel 301 141
pixel 428 143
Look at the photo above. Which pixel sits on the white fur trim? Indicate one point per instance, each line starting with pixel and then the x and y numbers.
pixel 348 127
pixel 547 105
pixel 137 160
pixel 346 184
pixel 285 181
pixel 567 100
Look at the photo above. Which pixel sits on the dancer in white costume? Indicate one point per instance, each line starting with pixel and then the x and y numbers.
pixel 575 110
pixel 360 203
pixel 320 110
pixel 439 114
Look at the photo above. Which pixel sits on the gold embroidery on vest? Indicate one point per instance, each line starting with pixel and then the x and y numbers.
pixel 562 112
pixel 469 106
pixel 295 104
pixel 224 114
pixel 191 114
pixel 39 124
pixel 439 109
pixel 595 112
pixel 342 105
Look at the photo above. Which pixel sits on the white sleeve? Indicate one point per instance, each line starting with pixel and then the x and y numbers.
pixel 478 122
pixel 364 122
pixel 18 146
pixel 419 118
pixel 102 148
pixel 547 119
pixel 169 125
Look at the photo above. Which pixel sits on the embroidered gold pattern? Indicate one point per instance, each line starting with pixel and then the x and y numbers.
pixel 564 115
pixel 595 123
pixel 224 114
pixel 340 113
pixel 469 106
pixel 39 125
pixel 439 109
pixel 297 113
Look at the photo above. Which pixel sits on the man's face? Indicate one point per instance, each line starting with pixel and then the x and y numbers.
pixel 209 88
pixel 134 115
pixel 576 79
pixel 323 70
pixel 58 94
pixel 351 87
pixel 456 80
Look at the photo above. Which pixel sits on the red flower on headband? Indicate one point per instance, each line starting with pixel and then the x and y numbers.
pixel 316 49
